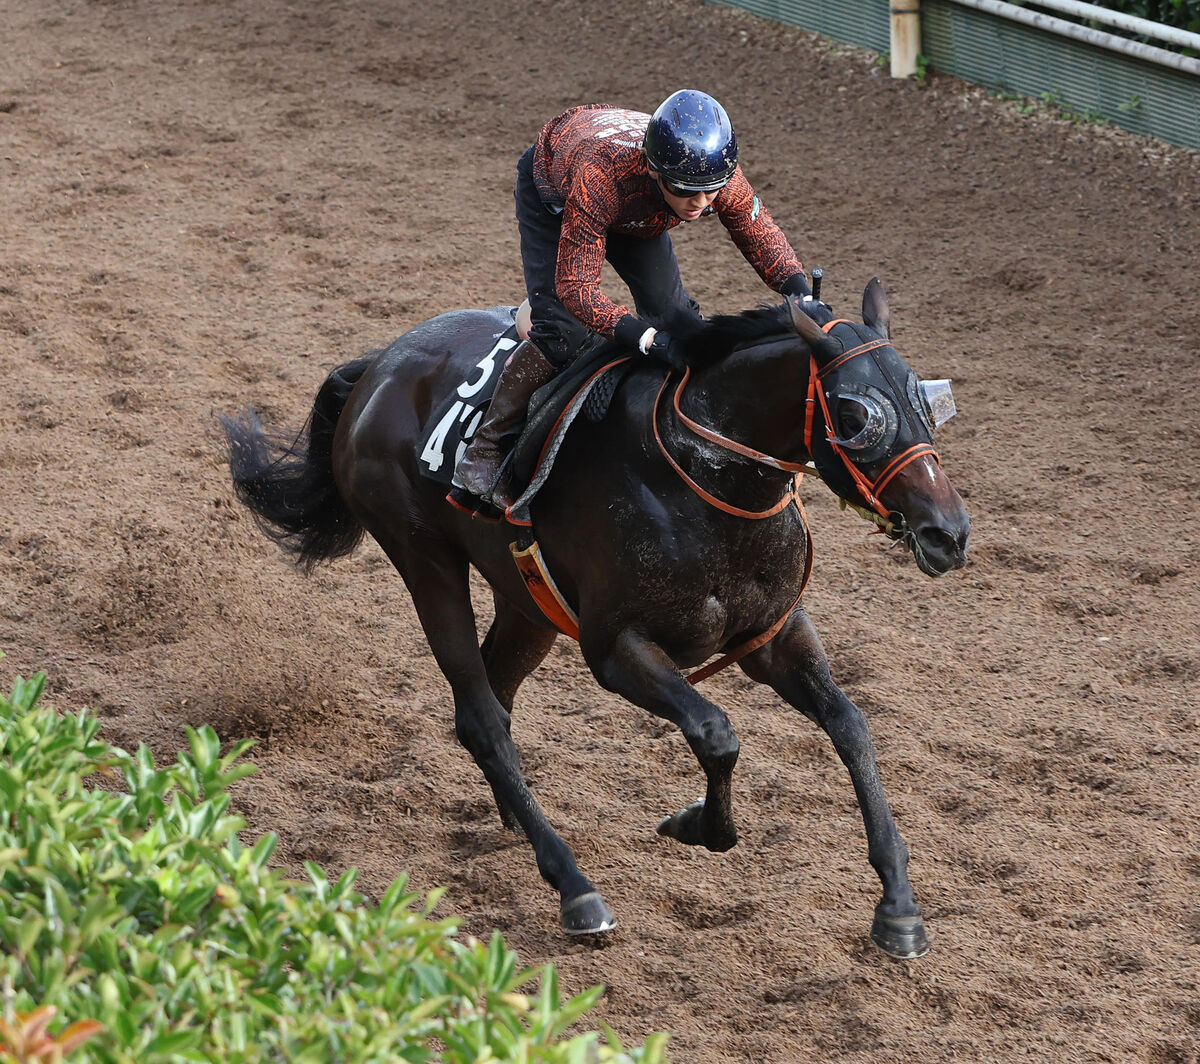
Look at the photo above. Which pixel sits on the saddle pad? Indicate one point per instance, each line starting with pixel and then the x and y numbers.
pixel 539 445
pixel 455 421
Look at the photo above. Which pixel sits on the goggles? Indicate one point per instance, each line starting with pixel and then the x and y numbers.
pixel 867 419
pixel 687 193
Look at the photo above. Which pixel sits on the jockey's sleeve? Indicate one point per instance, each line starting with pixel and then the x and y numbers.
pixel 587 214
pixel 754 231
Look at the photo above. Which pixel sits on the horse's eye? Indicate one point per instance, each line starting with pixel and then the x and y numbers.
pixel 861 421
pixel 852 418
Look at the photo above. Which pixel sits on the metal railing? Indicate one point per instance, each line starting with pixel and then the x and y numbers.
pixel 1074 30
pixel 1018 50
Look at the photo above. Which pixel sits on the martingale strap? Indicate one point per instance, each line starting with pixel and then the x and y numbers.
pixel 760 640
pixel 544 591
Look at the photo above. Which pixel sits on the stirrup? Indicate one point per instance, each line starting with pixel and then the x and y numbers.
pixel 472 505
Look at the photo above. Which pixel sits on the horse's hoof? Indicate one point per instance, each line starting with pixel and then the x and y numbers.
pixel 902 937
pixel 587 915
pixel 687 826
pixel 684 826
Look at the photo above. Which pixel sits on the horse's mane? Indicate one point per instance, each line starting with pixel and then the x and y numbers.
pixel 714 338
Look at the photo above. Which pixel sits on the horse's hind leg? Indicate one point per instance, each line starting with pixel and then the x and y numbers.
pixel 437 579
pixel 512 649
pixel 794 664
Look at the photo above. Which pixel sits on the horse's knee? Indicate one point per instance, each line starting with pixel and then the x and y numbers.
pixel 715 743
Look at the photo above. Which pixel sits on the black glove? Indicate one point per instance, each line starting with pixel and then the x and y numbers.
pixel 664 348
pixel 796 285
pixel 630 330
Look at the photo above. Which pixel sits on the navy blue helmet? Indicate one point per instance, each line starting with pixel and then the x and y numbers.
pixel 690 142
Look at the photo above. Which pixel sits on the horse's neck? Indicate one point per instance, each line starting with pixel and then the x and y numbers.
pixel 756 396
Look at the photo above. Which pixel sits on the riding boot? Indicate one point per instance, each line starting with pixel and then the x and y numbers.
pixel 526 371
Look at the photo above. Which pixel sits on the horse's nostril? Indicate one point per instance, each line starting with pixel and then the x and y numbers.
pixel 938 541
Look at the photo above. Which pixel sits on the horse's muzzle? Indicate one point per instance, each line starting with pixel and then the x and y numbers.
pixel 940 548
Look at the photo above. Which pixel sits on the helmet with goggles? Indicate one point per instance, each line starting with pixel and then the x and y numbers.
pixel 690 143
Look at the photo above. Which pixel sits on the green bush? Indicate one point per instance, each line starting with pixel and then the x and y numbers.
pixel 1182 14
pixel 135 906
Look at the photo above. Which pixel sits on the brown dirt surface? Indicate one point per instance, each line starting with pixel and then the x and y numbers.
pixel 206 204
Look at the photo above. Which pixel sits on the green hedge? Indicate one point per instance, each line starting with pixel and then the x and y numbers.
pixel 1182 14
pixel 136 927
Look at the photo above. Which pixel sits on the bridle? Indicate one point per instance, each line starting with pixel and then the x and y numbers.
pixel 868 489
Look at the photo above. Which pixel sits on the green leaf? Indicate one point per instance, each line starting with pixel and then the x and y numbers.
pixel 143 911
pixel 173 1042
pixel 25 693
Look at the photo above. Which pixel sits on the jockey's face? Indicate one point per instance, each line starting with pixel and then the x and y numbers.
pixel 689 207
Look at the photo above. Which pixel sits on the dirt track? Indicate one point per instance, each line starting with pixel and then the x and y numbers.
pixel 207 204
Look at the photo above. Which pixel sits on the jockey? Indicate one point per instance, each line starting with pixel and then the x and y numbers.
pixel 601 182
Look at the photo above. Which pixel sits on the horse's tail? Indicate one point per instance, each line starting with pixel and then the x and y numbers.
pixel 288 482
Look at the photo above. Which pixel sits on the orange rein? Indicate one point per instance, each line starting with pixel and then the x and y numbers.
pixel 791 496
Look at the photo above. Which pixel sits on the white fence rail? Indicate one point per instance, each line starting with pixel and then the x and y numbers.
pixel 1063 28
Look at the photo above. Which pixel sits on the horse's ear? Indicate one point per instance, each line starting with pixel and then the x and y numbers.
pixel 875 308
pixel 824 347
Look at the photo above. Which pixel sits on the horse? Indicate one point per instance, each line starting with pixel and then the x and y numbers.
pixel 671 530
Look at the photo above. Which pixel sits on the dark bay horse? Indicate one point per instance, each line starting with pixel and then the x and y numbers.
pixel 671 528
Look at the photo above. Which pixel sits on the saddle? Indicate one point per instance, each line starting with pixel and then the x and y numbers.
pixel 586 386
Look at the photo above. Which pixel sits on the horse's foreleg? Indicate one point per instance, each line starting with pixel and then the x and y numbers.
pixel 641 672
pixel 438 583
pixel 511 650
pixel 794 664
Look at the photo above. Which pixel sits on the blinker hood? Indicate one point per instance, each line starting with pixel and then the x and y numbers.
pixel 878 407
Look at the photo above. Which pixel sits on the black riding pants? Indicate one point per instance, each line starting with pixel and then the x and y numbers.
pixel 647 266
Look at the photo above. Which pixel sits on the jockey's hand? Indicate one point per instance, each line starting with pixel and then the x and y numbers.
pixel 664 348
pixel 651 342
pixel 797 285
